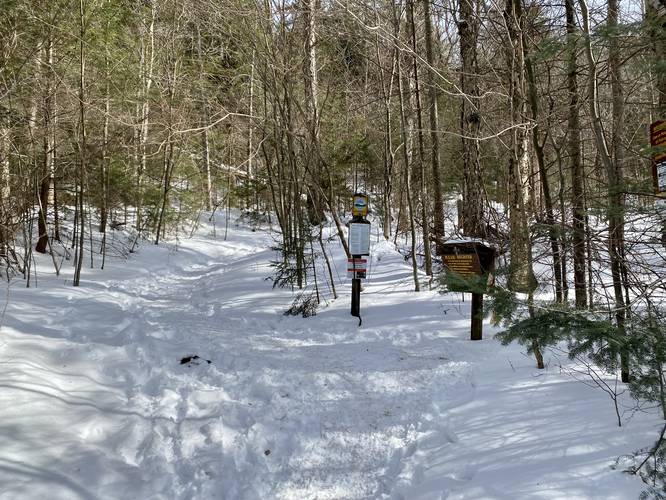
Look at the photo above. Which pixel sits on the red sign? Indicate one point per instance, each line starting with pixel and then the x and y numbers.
pixel 356 268
pixel 658 140
pixel 356 264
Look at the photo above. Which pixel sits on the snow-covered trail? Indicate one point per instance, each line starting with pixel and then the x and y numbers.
pixel 94 402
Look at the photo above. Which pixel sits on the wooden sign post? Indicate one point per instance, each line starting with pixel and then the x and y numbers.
pixel 468 263
pixel 359 245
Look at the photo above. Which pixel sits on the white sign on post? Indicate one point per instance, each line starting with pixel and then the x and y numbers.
pixel 359 238
pixel 661 176
pixel 357 268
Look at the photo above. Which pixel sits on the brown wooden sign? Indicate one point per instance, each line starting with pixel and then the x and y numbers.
pixel 465 264
pixel 468 259
pixel 658 140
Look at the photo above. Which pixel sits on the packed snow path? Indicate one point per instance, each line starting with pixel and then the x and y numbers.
pixel 97 405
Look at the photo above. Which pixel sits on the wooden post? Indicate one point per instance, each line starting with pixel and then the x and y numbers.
pixel 477 316
pixel 356 297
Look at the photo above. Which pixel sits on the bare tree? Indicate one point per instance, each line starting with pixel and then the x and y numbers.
pixel 438 205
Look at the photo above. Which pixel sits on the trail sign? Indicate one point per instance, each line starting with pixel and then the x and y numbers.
pixel 359 237
pixel 658 140
pixel 357 268
pixel 359 245
pixel 466 264
pixel 360 205
pixel 468 259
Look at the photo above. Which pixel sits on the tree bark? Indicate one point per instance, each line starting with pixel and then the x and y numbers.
pixel 82 143
pixel 47 168
pixel 205 122
pixel 521 273
pixel 438 205
pixel 425 219
pixel 315 214
pixel 387 153
pixel 615 202
pixel 577 201
pixel 470 122
pixel 104 166
pixel 543 174
pixel 616 180
pixel 146 66
pixel 406 123
pixel 5 191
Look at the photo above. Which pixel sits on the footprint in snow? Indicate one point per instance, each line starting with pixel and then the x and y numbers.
pixel 193 360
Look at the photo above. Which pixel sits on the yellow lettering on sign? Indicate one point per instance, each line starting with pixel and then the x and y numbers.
pixel 463 264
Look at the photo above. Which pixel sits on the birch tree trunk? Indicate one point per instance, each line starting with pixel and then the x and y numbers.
pixel 521 274
pixel 205 122
pixel 407 125
pixel 425 219
pixel 146 67
pixel 5 191
pixel 46 62
pixel 315 214
pixel 388 158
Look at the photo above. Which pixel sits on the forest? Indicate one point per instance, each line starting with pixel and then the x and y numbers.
pixel 533 125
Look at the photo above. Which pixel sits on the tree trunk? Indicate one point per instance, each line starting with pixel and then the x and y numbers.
pixel 615 201
pixel 250 139
pixel 406 127
pixel 146 66
pixel 387 153
pixel 82 143
pixel 438 217
pixel 655 18
pixel 315 214
pixel 166 186
pixel 104 166
pixel 470 122
pixel 425 224
pixel 5 191
pixel 543 175
pixel 205 123
pixel 616 180
pixel 521 274
pixel 45 181
pixel 563 223
pixel 577 202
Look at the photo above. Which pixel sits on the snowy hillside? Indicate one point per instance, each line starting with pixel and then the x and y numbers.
pixel 101 396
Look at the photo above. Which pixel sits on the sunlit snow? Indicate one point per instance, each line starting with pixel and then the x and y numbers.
pixel 95 404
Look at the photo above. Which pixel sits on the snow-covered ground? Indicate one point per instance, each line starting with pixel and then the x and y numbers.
pixel 95 403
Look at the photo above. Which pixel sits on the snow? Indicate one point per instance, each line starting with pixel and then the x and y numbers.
pixel 95 403
pixel 463 241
